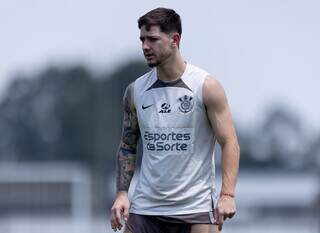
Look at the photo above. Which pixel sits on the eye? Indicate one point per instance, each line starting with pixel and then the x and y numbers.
pixel 142 39
pixel 153 39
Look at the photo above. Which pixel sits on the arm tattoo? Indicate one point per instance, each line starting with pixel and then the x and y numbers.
pixel 126 161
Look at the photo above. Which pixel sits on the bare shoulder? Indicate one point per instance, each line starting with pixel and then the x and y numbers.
pixel 129 91
pixel 213 93
pixel 131 86
pixel 128 96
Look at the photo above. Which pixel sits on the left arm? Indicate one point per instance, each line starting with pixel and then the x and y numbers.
pixel 221 121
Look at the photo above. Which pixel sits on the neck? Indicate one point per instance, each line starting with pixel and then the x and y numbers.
pixel 172 69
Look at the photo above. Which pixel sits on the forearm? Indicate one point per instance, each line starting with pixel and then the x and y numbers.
pixel 229 167
pixel 126 164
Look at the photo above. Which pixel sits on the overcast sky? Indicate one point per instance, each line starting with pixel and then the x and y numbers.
pixel 262 51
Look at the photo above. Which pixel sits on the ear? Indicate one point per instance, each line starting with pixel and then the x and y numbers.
pixel 175 37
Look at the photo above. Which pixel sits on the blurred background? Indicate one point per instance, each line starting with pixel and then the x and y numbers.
pixel 64 66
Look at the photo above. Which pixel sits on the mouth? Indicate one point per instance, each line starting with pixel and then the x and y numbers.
pixel 148 56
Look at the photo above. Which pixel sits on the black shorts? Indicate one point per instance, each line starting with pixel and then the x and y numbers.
pixel 167 224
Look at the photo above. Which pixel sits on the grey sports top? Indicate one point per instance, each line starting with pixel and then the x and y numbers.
pixel 177 171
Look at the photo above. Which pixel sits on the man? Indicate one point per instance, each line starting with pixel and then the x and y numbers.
pixel 179 111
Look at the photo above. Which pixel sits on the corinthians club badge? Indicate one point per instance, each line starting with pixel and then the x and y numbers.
pixel 186 103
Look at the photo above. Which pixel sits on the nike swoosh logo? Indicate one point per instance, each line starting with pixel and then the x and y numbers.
pixel 145 107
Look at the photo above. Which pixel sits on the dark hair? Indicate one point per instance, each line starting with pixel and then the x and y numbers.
pixel 167 19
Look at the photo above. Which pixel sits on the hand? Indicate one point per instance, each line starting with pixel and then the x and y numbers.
pixel 225 208
pixel 120 209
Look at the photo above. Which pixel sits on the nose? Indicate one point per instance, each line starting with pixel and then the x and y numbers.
pixel 145 46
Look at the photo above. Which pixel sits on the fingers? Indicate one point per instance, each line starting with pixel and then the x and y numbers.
pixel 219 217
pixel 125 214
pixel 228 215
pixel 114 226
pixel 221 214
pixel 231 214
pixel 119 209
pixel 116 218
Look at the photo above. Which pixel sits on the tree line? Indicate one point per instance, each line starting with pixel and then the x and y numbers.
pixel 71 114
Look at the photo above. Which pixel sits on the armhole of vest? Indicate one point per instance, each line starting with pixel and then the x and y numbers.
pixel 201 90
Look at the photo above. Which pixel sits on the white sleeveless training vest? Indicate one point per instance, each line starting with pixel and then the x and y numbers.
pixel 177 170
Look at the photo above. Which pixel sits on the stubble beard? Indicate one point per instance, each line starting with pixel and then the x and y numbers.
pixel 158 61
pixel 153 64
pixel 161 58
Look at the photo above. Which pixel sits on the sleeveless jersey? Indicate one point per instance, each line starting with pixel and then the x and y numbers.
pixel 177 170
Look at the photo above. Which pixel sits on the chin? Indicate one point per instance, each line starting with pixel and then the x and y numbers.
pixel 153 64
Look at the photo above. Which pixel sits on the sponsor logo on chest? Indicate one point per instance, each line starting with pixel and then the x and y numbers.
pixel 168 140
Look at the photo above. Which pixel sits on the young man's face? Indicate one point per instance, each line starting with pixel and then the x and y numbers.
pixel 156 45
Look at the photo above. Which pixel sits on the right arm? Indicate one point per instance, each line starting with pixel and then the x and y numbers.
pixel 126 159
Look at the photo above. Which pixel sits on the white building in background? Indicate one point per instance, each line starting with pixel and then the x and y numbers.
pixel 33 196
